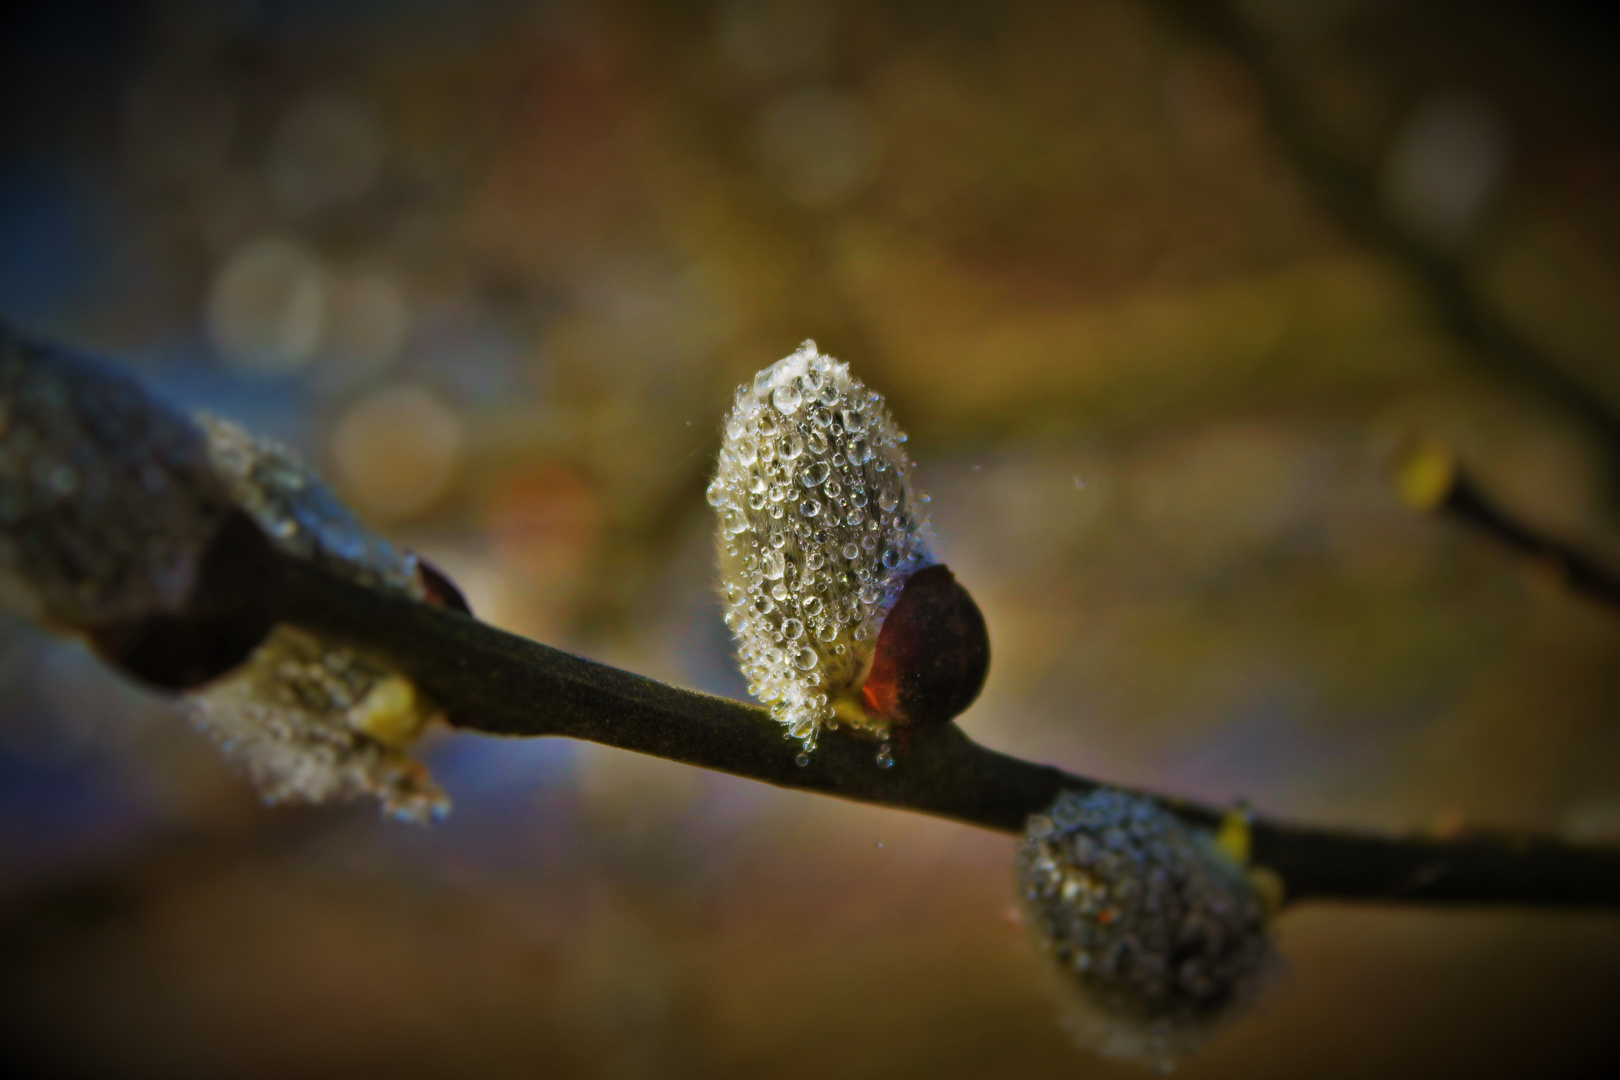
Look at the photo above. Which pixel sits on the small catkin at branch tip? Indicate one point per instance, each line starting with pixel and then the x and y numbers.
pixel 157 535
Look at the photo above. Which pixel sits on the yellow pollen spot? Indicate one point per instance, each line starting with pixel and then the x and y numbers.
pixel 1425 474
pixel 391 713
pixel 1235 839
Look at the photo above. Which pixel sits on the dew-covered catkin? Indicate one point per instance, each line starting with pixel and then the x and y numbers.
pixel 819 529
pixel 1160 933
pixel 311 721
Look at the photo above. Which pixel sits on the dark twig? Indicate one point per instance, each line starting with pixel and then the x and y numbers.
pixel 498 683
pixel 1352 196
pixel 83 475
pixel 1431 479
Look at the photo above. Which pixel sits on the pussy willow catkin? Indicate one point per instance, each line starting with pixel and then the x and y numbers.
pixel 1160 932
pixel 820 534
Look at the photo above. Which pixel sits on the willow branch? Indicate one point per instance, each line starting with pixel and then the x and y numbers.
pixel 498 683
pixel 124 520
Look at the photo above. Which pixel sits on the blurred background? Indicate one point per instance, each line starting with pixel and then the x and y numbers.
pixel 1158 287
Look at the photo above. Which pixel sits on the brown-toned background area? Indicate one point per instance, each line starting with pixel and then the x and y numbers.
pixel 495 268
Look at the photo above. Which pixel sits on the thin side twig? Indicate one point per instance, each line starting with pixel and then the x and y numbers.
pixel 1432 480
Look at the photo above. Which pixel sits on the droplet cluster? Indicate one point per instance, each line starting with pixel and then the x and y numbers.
pixel 1160 932
pixel 314 722
pixel 819 529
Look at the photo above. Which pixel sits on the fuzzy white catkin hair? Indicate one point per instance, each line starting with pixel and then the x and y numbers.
pixel 1159 931
pixel 819 530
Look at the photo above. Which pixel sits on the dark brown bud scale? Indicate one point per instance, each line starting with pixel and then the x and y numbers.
pixel 932 654
pixel 439 589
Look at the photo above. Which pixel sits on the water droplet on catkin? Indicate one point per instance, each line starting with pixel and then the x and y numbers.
pixel 787 398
